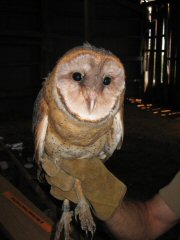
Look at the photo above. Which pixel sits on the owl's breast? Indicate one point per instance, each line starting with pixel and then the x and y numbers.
pixel 58 147
pixel 76 132
pixel 67 138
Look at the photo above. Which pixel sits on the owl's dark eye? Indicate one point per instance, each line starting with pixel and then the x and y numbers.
pixel 77 76
pixel 106 80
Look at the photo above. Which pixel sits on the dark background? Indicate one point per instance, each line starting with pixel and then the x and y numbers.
pixel 34 34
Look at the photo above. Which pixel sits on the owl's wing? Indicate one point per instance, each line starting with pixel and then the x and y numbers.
pixel 116 134
pixel 120 128
pixel 40 123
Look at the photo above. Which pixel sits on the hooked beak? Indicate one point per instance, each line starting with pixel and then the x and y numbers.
pixel 91 100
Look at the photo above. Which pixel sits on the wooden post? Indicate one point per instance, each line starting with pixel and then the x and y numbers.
pixel 46 49
pixel 165 74
pixel 151 60
pixel 88 19
pixel 158 55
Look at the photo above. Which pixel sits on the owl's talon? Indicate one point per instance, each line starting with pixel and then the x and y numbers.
pixel 83 212
pixel 64 222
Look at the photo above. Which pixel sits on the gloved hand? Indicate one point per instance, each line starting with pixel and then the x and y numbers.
pixel 62 184
pixel 102 189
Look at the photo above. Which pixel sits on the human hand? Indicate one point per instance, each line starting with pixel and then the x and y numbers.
pixel 102 189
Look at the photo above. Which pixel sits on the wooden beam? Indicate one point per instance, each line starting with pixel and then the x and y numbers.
pixel 88 19
pixel 32 183
pixel 131 5
pixel 19 217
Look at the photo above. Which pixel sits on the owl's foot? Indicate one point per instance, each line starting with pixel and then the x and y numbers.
pixel 83 211
pixel 64 222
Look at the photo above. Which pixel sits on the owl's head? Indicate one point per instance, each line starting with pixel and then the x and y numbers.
pixel 90 83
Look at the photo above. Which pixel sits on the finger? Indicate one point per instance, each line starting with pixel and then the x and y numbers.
pixel 50 167
pixel 82 168
pixel 62 180
pixel 61 195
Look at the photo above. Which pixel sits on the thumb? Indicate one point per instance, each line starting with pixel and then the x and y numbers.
pixel 74 167
pixel 83 168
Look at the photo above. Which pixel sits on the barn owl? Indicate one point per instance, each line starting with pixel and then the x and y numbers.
pixel 79 111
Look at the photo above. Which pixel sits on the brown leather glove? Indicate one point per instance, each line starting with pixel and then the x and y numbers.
pixel 62 184
pixel 102 189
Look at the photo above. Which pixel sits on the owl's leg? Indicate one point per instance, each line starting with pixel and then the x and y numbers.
pixel 83 210
pixel 64 222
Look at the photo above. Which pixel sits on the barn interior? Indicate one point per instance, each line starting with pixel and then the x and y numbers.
pixel 144 35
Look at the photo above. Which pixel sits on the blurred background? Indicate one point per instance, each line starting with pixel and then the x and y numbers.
pixel 144 34
pixel 34 34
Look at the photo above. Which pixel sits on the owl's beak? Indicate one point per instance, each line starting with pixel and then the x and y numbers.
pixel 91 101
